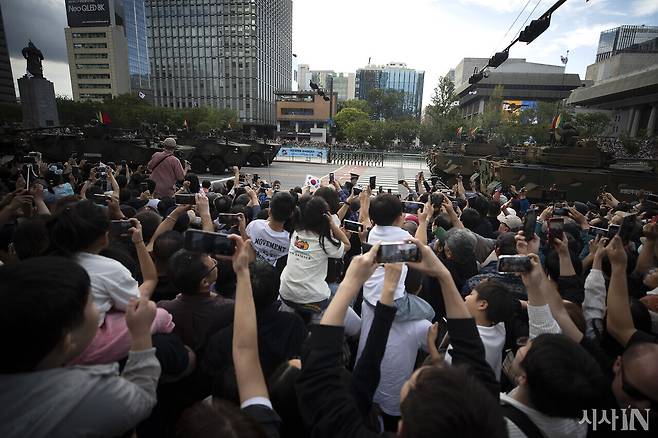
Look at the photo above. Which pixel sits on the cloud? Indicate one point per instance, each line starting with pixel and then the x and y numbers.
pixel 501 6
pixel 55 71
pixel 642 8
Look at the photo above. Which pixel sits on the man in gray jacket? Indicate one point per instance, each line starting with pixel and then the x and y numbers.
pixel 47 319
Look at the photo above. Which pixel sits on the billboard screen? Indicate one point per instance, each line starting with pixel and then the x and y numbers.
pixel 84 13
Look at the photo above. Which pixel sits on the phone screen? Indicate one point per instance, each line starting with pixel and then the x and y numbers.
pixel 613 230
pixel 514 264
pixel 120 227
pixel 353 226
pixel 331 178
pixel 626 228
pixel 185 199
pixel 398 253
pixel 228 218
pixel 436 199
pixel 412 207
pixel 373 182
pixel 210 243
pixel 555 229
pixel 529 223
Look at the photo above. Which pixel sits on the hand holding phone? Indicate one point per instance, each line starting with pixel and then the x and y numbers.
pixel 355 227
pixel 512 264
pixel 529 224
pixel 119 228
pixel 395 252
pixel 555 229
pixel 209 243
pixel 185 199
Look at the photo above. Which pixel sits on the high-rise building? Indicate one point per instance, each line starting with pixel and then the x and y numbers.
pixel 107 48
pixel 344 86
pixel 221 53
pixel 303 77
pixel 7 91
pixel 616 40
pixel 393 76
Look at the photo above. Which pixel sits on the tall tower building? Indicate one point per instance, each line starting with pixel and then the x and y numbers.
pixel 7 91
pixel 617 40
pixel 221 53
pixel 393 76
pixel 107 49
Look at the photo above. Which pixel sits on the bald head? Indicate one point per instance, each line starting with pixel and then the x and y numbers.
pixel 641 366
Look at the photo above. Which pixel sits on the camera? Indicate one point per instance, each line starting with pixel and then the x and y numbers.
pixel 209 243
pixel 510 264
pixel 119 228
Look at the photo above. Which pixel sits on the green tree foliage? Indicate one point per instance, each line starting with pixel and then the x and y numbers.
pixel 361 105
pixel 489 120
pixel 359 131
pixel 442 118
pixel 591 125
pixel 10 112
pixel 129 111
pixel 386 104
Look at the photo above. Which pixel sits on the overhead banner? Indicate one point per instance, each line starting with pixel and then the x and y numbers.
pixel 87 13
pixel 302 152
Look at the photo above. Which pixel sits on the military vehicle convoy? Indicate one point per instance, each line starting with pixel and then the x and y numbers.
pixel 205 154
pixel 569 165
pixel 453 159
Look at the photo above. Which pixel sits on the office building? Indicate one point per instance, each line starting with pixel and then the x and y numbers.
pixel 7 91
pixel 223 54
pixel 619 39
pixel 393 76
pixel 97 50
pixel 303 77
pixel 343 83
pixel 451 74
pixel 625 84
pixel 524 84
pixel 344 86
pixel 303 116
pixel 139 67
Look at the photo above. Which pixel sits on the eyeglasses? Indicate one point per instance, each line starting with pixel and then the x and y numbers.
pixel 633 392
pixel 211 269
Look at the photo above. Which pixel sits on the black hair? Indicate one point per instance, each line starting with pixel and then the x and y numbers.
pixel 121 253
pixel 194 182
pixel 506 243
pixel 282 206
pixel 471 218
pixel 31 238
pixel 43 298
pixel 121 180
pixel 562 377
pixel 331 196
pixel 166 244
pixel 443 220
pixel 77 227
pixel 265 284
pixel 263 214
pixel 205 184
pixel 217 418
pixel 281 388
pixel 186 270
pixel 480 204
pixel 150 221
pixel 453 401
pixel 313 219
pixel 385 209
pixel 500 303
pixel 222 204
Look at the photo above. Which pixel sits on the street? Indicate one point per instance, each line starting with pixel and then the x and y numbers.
pixel 293 174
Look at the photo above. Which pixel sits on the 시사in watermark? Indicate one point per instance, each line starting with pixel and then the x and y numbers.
pixel 629 419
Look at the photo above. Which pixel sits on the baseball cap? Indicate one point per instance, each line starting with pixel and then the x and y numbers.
pixel 513 222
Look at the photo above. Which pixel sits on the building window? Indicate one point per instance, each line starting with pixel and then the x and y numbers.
pixel 90 45
pixel 89 35
pixel 95 96
pixel 87 86
pixel 91 56
pixel 297 111
pixel 92 66
pixel 94 76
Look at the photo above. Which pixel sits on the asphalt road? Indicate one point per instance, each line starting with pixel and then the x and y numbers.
pixel 292 174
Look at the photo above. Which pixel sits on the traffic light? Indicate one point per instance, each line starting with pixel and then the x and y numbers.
pixel 477 77
pixel 534 29
pixel 313 85
pixel 498 58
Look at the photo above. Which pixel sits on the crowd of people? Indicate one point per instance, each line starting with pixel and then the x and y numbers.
pixel 143 301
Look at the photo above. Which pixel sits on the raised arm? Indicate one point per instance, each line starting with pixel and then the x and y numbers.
pixel 203 209
pixel 421 232
pixel 619 320
pixel 338 233
pixel 595 293
pixel 168 223
pixel 248 371
pixel 146 265
pixel 647 255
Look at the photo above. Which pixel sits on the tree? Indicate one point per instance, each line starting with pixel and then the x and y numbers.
pixel 442 100
pixel 361 105
pixel 386 104
pixel 442 118
pixel 593 124
pixel 489 120
pixel 359 131
pixel 407 131
pixel 346 117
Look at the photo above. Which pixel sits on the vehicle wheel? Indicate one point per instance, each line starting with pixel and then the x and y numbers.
pixel 217 167
pixel 199 165
pixel 255 160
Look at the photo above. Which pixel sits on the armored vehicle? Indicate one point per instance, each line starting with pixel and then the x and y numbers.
pixel 452 159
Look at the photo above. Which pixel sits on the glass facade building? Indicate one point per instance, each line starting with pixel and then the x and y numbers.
pixel 139 67
pixel 393 76
pixel 617 40
pixel 221 53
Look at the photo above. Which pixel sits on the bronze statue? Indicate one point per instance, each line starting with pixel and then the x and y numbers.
pixel 34 58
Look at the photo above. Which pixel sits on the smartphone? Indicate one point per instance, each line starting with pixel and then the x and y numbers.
pixel 389 191
pixel 373 182
pixel 186 199
pixel 596 231
pixel 613 230
pixel 357 190
pixel 626 228
pixel 412 206
pixel 228 218
pixel 398 252
pixel 254 178
pixel 555 229
pixel 99 199
pixel 509 264
pixel 436 199
pixel 209 243
pixel 356 227
pixel 529 224
pixel 331 178
pixel 650 198
pixel 119 228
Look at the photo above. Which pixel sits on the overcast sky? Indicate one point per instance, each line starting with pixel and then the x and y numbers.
pixel 340 35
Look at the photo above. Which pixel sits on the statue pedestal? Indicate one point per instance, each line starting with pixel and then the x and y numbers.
pixel 38 102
